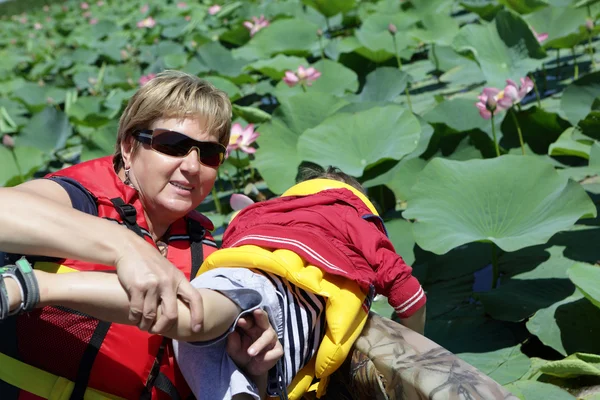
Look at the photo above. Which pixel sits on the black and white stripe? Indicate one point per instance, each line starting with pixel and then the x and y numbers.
pixel 304 325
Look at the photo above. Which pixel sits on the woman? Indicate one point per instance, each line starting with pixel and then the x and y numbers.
pixel 171 140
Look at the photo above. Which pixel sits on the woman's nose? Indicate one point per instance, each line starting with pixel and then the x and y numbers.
pixel 191 162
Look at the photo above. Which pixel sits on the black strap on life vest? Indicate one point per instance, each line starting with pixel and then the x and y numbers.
pixel 88 358
pixel 128 214
pixel 197 233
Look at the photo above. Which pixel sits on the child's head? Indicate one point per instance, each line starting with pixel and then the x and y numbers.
pixel 317 172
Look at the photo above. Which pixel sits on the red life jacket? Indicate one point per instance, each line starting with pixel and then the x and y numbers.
pixel 112 358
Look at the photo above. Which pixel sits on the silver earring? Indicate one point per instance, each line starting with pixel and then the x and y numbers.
pixel 127 178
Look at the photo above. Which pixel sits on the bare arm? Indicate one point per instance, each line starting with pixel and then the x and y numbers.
pixel 416 322
pixel 100 295
pixel 37 218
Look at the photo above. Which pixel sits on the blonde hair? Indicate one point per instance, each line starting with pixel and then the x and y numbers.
pixel 174 94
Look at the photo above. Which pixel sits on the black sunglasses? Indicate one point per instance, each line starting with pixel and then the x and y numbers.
pixel 175 144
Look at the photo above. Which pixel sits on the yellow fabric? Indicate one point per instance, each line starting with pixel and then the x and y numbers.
pixel 344 314
pixel 42 383
pixel 37 381
pixel 313 186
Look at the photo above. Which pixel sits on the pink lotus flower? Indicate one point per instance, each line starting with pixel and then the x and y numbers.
pixel 256 25
pixel 46 8
pixel 146 23
pixel 539 36
pixel 242 138
pixel 239 201
pixel 8 141
pixel 87 14
pixel 589 24
pixel 144 8
pixel 304 76
pixel 188 17
pixel 100 3
pixel 494 100
pixel 145 79
pixel 23 20
pixel 212 10
pixel 182 4
pixel 84 6
pixel 514 94
pixel 37 26
pixel 93 21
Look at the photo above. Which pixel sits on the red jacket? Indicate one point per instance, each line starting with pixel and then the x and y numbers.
pixel 333 230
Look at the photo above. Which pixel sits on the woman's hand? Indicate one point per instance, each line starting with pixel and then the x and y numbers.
pixel 150 281
pixel 256 349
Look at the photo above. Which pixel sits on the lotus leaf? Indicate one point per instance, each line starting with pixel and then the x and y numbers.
pixel 458 202
pixel 505 48
pixel 532 390
pixel 587 279
pixel 349 142
pixel 277 157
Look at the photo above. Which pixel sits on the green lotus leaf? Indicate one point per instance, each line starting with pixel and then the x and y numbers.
pixel 439 29
pixel 100 141
pixel 533 390
pixel 384 84
pixel 335 78
pixel 225 85
pixel 458 202
pixel 459 114
pixel 277 157
pixel 220 60
pixel 568 326
pixel 486 9
pixel 561 24
pixel 251 114
pixel 375 37
pixel 505 48
pixel 400 178
pixel 288 36
pixel 573 366
pixel 504 365
pixel 578 98
pixel 354 141
pixel 524 6
pixel 571 143
pixel 47 130
pixel 29 159
pixel 275 67
pixel 587 279
pixel 401 236
pixel 329 8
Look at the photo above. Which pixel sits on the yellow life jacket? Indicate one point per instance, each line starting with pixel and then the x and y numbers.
pixel 345 313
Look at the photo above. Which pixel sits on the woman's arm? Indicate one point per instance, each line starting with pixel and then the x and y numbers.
pixel 37 218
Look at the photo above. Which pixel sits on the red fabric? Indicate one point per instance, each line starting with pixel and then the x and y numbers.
pixel 127 354
pixel 334 230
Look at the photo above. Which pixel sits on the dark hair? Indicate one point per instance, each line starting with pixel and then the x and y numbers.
pixel 316 172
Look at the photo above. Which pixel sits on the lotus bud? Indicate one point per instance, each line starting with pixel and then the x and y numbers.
pixel 8 141
pixel 589 24
pixel 319 32
pixel 392 28
pixel 491 104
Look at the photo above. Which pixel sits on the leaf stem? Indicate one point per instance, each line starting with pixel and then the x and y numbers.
pixel 514 118
pixel 575 65
pixel 495 139
pixel 216 200
pixel 240 174
pixel 591 51
pixel 14 156
pixel 399 61
pixel 495 270
pixel 535 89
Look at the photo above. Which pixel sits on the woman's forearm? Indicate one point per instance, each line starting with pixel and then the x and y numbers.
pixel 100 295
pixel 37 225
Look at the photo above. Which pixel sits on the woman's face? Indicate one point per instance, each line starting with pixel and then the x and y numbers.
pixel 169 187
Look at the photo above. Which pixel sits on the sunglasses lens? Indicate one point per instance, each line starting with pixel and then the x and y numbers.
pixel 179 145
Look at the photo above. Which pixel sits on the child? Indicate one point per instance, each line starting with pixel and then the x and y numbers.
pixel 310 259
